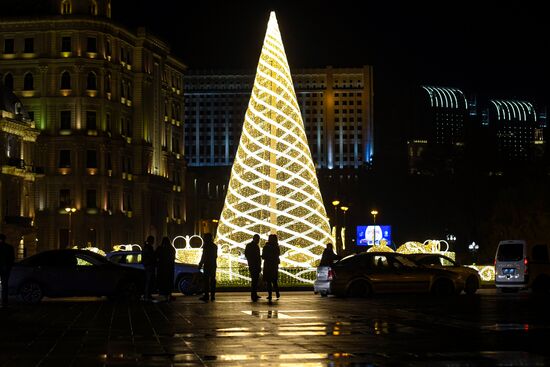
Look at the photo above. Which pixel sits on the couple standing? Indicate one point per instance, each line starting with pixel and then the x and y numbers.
pixel 270 254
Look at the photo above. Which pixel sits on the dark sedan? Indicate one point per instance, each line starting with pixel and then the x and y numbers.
pixel 66 273
pixel 363 274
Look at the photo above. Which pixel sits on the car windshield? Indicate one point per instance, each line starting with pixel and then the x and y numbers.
pixel 510 252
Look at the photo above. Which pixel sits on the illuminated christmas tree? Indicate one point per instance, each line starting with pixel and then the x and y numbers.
pixel 273 186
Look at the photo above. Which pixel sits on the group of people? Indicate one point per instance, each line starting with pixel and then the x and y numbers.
pixel 159 269
pixel 270 255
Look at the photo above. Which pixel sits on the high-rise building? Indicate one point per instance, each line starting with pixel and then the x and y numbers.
pixel 515 132
pixel 17 171
pixel 437 140
pixel 108 103
pixel 336 106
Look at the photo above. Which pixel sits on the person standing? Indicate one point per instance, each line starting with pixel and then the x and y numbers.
pixel 252 254
pixel 271 254
pixel 208 262
pixel 7 257
pixel 149 262
pixel 328 257
pixel 166 256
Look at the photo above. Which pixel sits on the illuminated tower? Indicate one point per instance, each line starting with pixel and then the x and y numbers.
pixel 273 186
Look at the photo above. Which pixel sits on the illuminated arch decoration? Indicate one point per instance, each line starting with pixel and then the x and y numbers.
pixel 514 110
pixel 273 186
pixel 188 254
pixel 446 97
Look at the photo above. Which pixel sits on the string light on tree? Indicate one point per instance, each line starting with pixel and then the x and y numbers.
pixel 273 186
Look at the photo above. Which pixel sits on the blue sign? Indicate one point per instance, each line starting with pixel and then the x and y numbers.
pixel 377 235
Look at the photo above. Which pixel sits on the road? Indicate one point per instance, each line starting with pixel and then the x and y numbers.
pixel 300 329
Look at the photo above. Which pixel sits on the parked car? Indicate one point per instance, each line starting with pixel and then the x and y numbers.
pixel 363 274
pixel 187 277
pixel 66 273
pixel 522 265
pixel 440 261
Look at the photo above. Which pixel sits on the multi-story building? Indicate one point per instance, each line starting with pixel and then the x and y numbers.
pixel 336 106
pixel 18 174
pixel 515 133
pixel 437 142
pixel 108 103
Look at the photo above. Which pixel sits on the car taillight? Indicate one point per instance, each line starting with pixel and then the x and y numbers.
pixel 526 263
pixel 330 274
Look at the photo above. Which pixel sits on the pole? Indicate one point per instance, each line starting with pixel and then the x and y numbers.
pixel 374 230
pixel 70 231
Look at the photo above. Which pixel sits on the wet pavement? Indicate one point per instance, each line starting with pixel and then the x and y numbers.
pixel 301 329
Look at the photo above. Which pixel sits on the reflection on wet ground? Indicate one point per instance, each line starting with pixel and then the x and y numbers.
pixel 300 330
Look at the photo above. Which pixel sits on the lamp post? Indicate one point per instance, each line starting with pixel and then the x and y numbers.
pixel 374 213
pixel 473 248
pixel 70 211
pixel 335 204
pixel 344 209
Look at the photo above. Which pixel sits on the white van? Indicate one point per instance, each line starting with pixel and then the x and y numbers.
pixel 520 265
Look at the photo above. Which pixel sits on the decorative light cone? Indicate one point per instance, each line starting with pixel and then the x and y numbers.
pixel 273 187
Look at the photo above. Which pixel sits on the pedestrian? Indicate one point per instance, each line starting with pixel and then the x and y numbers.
pixel 328 257
pixel 166 257
pixel 7 257
pixel 149 261
pixel 271 254
pixel 208 263
pixel 252 254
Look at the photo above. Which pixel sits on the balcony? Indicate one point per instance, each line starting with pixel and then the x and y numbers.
pixel 18 221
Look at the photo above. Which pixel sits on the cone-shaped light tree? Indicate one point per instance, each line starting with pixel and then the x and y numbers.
pixel 273 187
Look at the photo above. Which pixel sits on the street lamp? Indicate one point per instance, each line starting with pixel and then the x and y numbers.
pixel 344 209
pixel 335 204
pixel 473 248
pixel 70 211
pixel 374 213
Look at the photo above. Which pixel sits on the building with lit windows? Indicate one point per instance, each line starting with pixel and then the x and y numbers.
pixel 18 173
pixel 108 103
pixel 515 132
pixel 336 106
pixel 437 141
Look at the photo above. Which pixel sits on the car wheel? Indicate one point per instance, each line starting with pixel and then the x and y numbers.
pixel 186 286
pixel 359 288
pixel 324 294
pixel 443 287
pixel 31 292
pixel 472 285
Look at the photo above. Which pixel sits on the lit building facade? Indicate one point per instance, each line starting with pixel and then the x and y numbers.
pixel 109 106
pixel 18 174
pixel 515 131
pixel 437 141
pixel 336 106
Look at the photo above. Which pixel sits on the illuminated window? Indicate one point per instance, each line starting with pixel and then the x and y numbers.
pixel 28 83
pixel 29 46
pixel 66 7
pixel 65 80
pixel 9 46
pixel 91 82
pixel 66 44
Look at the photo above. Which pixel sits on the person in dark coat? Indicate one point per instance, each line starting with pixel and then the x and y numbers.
pixel 328 257
pixel 270 254
pixel 166 256
pixel 7 257
pixel 149 261
pixel 208 262
pixel 252 254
